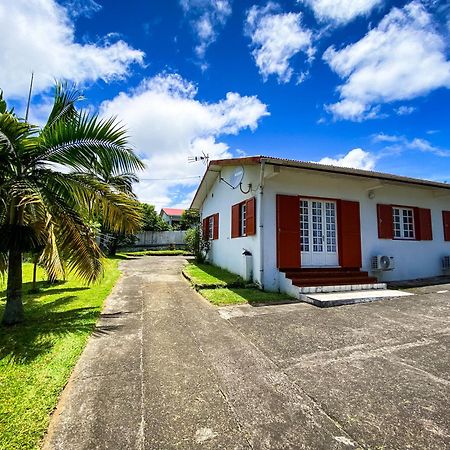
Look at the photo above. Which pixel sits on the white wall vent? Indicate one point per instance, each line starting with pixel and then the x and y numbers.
pixel 382 262
pixel 446 262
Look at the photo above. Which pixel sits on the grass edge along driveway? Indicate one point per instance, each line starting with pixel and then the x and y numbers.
pixel 38 356
pixel 221 287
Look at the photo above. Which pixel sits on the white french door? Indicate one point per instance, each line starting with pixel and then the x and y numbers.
pixel 318 233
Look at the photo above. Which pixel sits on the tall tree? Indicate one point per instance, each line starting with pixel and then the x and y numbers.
pixel 151 220
pixel 52 181
pixel 189 219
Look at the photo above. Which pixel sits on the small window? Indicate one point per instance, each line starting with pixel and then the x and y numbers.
pixel 211 227
pixel 403 221
pixel 243 219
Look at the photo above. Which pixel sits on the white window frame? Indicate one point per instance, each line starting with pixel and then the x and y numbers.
pixel 211 227
pixel 398 218
pixel 243 218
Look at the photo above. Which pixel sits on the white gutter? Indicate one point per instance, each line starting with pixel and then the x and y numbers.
pixel 261 225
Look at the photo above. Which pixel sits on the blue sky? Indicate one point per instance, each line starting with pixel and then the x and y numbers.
pixel 362 83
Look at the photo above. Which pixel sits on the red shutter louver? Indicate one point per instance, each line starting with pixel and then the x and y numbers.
pixel 288 231
pixel 205 228
pixel 422 222
pixel 349 232
pixel 216 226
pixel 385 222
pixel 235 222
pixel 446 223
pixel 251 216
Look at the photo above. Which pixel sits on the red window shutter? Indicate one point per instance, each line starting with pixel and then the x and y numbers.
pixel 216 226
pixel 288 231
pixel 349 234
pixel 385 222
pixel 422 224
pixel 235 222
pixel 251 216
pixel 205 228
pixel 446 222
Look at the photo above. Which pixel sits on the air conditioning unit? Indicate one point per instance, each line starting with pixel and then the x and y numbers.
pixel 446 263
pixel 382 262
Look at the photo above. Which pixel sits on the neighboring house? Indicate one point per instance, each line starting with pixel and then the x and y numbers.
pixel 172 216
pixel 307 224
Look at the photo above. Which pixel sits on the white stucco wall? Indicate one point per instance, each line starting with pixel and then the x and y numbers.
pixel 413 259
pixel 227 252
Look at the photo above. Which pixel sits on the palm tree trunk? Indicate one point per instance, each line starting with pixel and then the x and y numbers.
pixel 14 308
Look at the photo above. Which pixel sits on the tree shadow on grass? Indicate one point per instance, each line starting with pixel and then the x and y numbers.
pixel 44 288
pixel 45 325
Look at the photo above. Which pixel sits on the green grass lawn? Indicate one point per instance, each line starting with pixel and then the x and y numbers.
pixel 233 296
pixel 37 357
pixel 221 287
pixel 209 276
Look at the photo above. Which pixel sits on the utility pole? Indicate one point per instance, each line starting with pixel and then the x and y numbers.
pixel 29 97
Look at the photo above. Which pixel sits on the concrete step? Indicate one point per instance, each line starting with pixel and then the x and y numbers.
pixel 340 288
pixel 320 269
pixel 326 300
pixel 338 281
pixel 325 274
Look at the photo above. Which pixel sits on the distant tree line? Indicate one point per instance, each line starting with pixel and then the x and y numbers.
pixel 152 221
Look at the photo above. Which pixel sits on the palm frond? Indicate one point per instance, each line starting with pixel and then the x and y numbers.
pixel 121 212
pixel 50 258
pixel 64 104
pixel 88 143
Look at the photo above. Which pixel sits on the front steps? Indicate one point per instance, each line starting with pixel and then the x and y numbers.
pixel 315 280
pixel 303 283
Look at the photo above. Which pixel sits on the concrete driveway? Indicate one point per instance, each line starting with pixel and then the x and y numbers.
pixel 165 370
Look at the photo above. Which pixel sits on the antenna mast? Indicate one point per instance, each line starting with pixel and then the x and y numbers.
pixel 204 157
pixel 29 97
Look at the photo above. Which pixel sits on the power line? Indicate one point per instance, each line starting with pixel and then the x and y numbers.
pixel 169 179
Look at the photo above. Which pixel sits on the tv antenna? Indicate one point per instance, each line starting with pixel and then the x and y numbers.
pixel 204 158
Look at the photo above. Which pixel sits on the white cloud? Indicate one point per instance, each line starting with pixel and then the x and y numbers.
pixel 275 38
pixel 382 137
pixel 167 124
pixel 38 35
pixel 340 11
pixel 356 158
pixel 81 8
pixel 402 58
pixel 208 17
pixel 404 110
pixel 401 143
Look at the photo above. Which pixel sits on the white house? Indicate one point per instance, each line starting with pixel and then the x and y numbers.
pixel 172 216
pixel 310 225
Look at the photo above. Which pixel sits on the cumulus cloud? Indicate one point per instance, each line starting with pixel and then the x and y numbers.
pixel 39 36
pixel 402 58
pixel 340 11
pixel 275 38
pixel 208 17
pixel 404 110
pixel 167 124
pixel 398 144
pixel 356 159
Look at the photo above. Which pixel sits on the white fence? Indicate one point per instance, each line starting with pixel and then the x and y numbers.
pixel 155 239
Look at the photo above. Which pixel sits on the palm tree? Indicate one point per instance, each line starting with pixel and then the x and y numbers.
pixel 52 181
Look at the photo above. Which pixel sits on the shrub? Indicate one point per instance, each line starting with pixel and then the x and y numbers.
pixel 195 243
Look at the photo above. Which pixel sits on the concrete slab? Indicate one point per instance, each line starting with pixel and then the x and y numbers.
pixel 166 370
pixel 325 300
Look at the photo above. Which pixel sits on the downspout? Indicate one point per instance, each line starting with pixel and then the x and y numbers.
pixel 261 225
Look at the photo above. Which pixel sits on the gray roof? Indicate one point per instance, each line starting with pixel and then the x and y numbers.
pixel 215 166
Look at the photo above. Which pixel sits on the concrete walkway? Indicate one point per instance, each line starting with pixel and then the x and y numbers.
pixel 165 370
